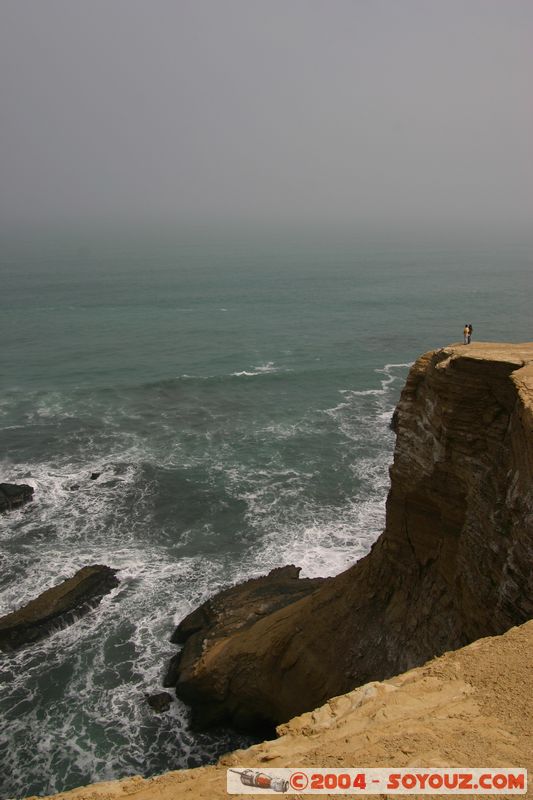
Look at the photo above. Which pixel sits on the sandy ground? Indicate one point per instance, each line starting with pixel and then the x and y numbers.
pixel 469 708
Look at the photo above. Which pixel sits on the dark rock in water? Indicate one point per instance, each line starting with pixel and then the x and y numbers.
pixel 57 607
pixel 160 701
pixel 217 620
pixel 74 487
pixel 95 475
pixel 13 495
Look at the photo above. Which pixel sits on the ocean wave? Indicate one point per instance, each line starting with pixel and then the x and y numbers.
pixel 262 369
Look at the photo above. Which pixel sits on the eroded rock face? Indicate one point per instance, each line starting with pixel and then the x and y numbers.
pixel 13 495
pixel 57 607
pixel 453 564
pixel 223 616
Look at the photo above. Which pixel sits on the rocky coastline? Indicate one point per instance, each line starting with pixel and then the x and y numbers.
pixel 453 564
pixel 388 663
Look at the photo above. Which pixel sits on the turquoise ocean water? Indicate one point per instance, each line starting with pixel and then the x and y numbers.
pixel 235 395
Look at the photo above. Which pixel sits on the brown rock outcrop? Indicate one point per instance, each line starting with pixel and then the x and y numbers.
pixel 454 563
pixel 223 615
pixel 56 607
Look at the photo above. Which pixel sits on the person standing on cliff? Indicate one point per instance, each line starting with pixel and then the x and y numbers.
pixel 470 329
pixel 465 333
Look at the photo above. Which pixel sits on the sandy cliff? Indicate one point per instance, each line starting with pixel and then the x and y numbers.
pixel 453 564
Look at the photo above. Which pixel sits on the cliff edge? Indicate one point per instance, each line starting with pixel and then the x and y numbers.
pixel 453 564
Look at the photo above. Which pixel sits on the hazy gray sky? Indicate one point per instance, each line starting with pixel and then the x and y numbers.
pixel 359 112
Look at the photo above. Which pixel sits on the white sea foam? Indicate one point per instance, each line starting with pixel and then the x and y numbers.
pixel 261 369
pixel 283 430
pixel 323 539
